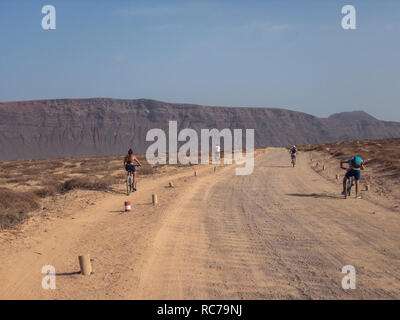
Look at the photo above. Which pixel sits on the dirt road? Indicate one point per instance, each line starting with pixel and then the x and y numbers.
pixel 280 233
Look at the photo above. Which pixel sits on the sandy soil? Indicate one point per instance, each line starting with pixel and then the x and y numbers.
pixel 280 233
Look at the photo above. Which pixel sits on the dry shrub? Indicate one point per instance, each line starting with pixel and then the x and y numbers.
pixel 15 207
pixel 17 179
pixel 81 170
pixel 7 175
pixel 70 166
pixel 45 167
pixel 47 191
pixel 9 165
pixel 89 183
pixel 338 154
pixel 146 170
pixel 33 171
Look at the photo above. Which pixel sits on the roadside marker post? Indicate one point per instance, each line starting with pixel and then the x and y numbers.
pixel 128 206
pixel 154 199
pixel 85 264
pixel 195 173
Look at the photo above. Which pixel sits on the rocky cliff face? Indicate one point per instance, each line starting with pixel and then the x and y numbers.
pixel 101 126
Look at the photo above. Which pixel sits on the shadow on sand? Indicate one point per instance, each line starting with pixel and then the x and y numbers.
pixel 315 195
pixel 289 166
pixel 68 273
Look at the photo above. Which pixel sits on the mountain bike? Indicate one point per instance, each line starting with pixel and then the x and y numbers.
pixel 293 161
pixel 349 185
pixel 129 183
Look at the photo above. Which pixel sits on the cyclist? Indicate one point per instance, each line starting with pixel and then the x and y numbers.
pixel 355 165
pixel 217 153
pixel 293 153
pixel 129 161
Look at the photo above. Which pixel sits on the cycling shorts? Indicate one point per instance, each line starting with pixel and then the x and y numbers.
pixel 353 173
pixel 130 168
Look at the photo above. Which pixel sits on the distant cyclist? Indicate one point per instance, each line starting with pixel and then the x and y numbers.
pixel 129 163
pixel 217 153
pixel 293 153
pixel 355 165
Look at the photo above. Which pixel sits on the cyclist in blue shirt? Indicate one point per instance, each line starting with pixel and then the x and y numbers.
pixel 355 165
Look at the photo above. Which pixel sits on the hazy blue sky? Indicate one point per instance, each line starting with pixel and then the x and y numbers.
pixel 289 54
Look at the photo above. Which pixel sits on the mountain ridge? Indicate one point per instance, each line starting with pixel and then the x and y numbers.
pixel 100 126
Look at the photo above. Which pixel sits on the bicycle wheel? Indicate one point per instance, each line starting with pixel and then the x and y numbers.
pixel 351 183
pixel 348 188
pixel 127 186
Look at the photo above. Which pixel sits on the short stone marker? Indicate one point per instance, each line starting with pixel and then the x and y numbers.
pixel 154 199
pixel 85 264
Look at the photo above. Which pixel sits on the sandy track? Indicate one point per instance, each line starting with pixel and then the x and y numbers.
pixel 281 232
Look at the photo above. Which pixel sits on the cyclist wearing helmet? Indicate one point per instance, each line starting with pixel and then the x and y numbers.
pixel 293 152
pixel 355 165
pixel 129 161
